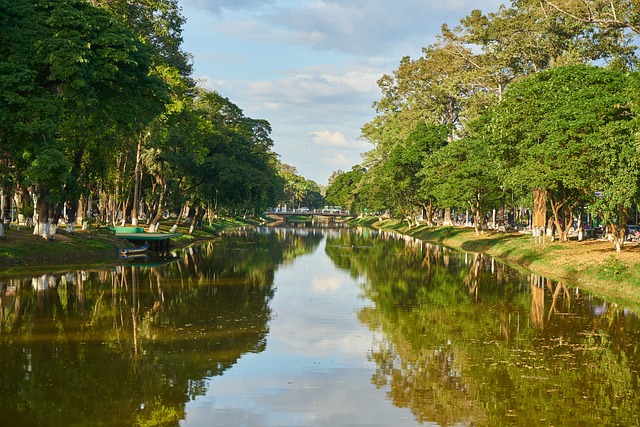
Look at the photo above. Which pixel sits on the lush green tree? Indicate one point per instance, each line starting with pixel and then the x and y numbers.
pixel 469 69
pixel 313 197
pixel 169 152
pixel 392 179
pixel 73 63
pixel 105 92
pixel 554 131
pixel 461 175
pixel 617 173
pixel 529 37
pixel 299 191
pixel 157 23
pixel 344 189
pixel 240 170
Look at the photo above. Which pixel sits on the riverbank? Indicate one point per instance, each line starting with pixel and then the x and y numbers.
pixel 95 246
pixel 591 264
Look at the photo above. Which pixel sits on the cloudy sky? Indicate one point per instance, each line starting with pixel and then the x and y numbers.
pixel 310 67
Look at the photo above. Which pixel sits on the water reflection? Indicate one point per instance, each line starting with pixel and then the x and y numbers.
pixel 466 340
pixel 311 326
pixel 131 345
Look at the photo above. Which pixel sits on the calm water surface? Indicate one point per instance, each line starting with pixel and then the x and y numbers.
pixel 313 327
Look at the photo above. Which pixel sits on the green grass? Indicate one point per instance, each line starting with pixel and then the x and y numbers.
pixel 612 269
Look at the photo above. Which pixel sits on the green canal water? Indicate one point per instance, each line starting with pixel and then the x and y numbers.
pixel 313 327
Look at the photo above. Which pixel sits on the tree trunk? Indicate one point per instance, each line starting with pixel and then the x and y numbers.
pixel 478 221
pixel 478 215
pixel 568 223
pixel 617 234
pixel 72 209
pixel 18 199
pixel 3 203
pixel 562 213
pixel 551 228
pixel 125 208
pixel 428 213
pixel 81 210
pixel 618 228
pixel 501 214
pixel 210 215
pixel 137 176
pixel 175 225
pixel 153 227
pixel 196 219
pixel 579 221
pixel 55 217
pixel 539 220
pixel 41 215
pixel 447 217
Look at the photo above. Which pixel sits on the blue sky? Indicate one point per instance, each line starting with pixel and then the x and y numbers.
pixel 310 67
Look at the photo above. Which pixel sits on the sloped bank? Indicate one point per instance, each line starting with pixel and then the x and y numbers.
pixel 21 251
pixel 592 265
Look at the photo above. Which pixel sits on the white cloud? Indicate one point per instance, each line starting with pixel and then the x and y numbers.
pixel 311 67
pixel 353 27
pixel 371 27
pixel 218 6
pixel 336 139
pixel 331 139
pixel 326 284
pixel 313 86
pixel 339 161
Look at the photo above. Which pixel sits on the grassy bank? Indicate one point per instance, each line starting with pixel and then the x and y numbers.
pixel 591 264
pixel 95 246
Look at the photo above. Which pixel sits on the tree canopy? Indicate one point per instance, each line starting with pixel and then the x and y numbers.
pixel 99 113
pixel 537 96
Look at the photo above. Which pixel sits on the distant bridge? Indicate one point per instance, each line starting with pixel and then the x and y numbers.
pixel 308 212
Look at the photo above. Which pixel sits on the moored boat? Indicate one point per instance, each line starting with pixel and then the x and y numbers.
pixel 128 252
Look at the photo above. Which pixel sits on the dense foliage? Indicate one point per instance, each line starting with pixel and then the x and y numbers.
pixel 100 120
pixel 538 96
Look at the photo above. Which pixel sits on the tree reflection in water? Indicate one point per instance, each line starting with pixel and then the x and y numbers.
pixel 131 345
pixel 460 339
pixel 467 340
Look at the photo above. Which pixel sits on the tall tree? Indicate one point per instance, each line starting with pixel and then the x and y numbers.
pixel 78 66
pixel 461 175
pixel 552 130
pixel 240 170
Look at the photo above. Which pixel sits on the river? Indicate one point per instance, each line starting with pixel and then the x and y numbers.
pixel 313 327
